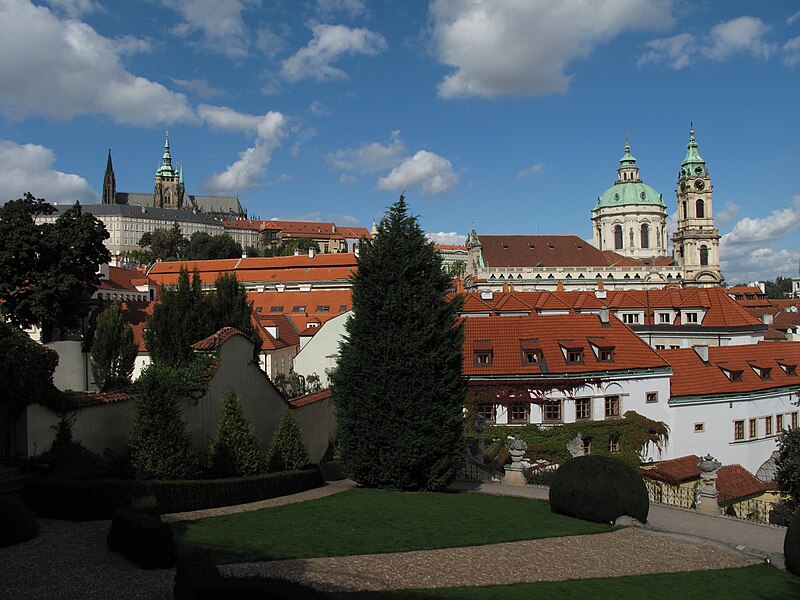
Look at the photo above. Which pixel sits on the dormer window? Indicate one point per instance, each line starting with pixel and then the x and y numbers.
pixel 664 318
pixel 630 318
pixel 483 358
pixel 690 317
pixel 298 309
pixel 790 370
pixel 574 356
pixel 532 357
pixel 605 354
pixel 763 372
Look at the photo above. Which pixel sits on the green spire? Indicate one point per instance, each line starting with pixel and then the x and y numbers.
pixel 693 165
pixel 166 169
pixel 627 160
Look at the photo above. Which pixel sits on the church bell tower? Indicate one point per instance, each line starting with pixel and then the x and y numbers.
pixel 168 191
pixel 695 244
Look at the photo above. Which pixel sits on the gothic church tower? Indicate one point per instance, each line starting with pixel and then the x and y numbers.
pixel 695 244
pixel 169 189
pixel 109 183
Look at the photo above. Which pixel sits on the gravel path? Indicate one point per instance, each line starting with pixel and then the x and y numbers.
pixel 630 551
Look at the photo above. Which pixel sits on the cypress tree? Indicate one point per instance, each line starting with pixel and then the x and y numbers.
pixel 234 449
pixel 113 350
pixel 398 388
pixel 287 450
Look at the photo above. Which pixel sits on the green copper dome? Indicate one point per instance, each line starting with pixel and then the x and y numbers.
pixel 628 189
pixel 693 165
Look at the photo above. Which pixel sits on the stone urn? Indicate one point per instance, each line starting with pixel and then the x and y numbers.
pixel 517 449
pixel 707 501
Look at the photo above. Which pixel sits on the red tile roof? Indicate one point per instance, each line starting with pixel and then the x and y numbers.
pixel 77 400
pixel 136 314
pixel 692 377
pixel 216 340
pixel 124 279
pixel 311 398
pixel 541 250
pixel 674 471
pixel 553 334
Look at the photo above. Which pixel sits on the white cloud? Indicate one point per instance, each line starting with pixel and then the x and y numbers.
pixel 64 68
pixel 743 35
pixel 793 18
pixel 751 249
pixel 528 172
pixel 345 179
pixel 508 47
pixel 448 238
pixel 270 42
pixel 432 173
pixel 285 178
pixel 791 50
pixel 245 173
pixel 328 44
pixel 75 8
pixel 370 157
pixel 29 168
pixel 318 109
pixel 730 210
pixel 128 45
pixel 220 22
pixel 201 87
pixel 676 51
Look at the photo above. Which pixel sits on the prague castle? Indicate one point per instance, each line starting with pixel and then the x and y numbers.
pixel 629 248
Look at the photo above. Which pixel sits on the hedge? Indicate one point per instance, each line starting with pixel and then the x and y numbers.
pixel 197 578
pixel 791 545
pixel 86 500
pixel 142 538
pixel 17 523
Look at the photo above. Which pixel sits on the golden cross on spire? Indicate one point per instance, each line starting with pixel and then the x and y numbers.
pixel 627 145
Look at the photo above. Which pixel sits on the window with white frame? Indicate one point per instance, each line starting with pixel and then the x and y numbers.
pixel 518 412
pixel 551 409
pixel 738 431
pixel 583 408
pixel 611 406
pixel 651 397
pixel 630 318
pixel 664 318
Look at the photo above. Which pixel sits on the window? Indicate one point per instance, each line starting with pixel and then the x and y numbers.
pixel 583 408
pixel 768 425
pixel 276 309
pixel 617 237
pixel 612 406
pixel 613 443
pixel 587 445
pixel 487 411
pixel 790 370
pixel 691 317
pixel 323 308
pixel 779 422
pixel 664 317
pixel 630 318
pixel 605 354
pixel 651 397
pixel 703 255
pixel 552 410
pixel 699 427
pixel 343 308
pixel 794 420
pixel 298 309
pixel 699 207
pixel 645 236
pixel 483 358
pixel 736 375
pixel 518 412
pixel 753 428
pixel 763 372
pixel 738 431
pixel 660 347
pixel 574 356
pixel 259 309
pixel 532 357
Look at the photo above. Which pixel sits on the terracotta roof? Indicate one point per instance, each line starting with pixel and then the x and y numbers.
pixel 555 334
pixel 734 482
pixel 539 250
pixel 136 314
pixel 216 340
pixel 77 400
pixel 124 279
pixel 311 398
pixel 692 377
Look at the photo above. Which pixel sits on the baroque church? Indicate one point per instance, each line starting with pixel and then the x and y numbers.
pixel 629 248
pixel 170 192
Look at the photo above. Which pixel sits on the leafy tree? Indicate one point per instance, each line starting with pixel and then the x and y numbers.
pixel 252 251
pixel 143 257
pixel 294 385
pixel 168 243
pixel 288 247
pixel 48 271
pixel 234 449
pixel 146 239
pixel 113 350
pixel 182 318
pixel 787 475
pixel 398 389
pixel 203 246
pixel 287 450
pixel 778 289
pixel 458 268
pixel 26 372
pixel 160 445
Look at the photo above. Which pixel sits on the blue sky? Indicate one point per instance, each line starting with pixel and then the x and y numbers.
pixel 511 115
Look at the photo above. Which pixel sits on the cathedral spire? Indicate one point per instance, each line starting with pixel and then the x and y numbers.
pixel 628 169
pixel 166 161
pixel 109 183
pixel 693 165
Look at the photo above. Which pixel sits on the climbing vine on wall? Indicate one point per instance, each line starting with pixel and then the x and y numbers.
pixel 633 433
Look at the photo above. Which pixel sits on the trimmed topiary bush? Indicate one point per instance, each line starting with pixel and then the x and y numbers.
pixel 287 450
pixel 600 489
pixel 234 449
pixel 791 545
pixel 137 533
pixel 17 523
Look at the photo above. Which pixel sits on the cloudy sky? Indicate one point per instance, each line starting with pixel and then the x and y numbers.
pixel 510 116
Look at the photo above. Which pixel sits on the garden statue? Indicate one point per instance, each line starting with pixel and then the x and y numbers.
pixel 707 502
pixel 575 446
pixel 514 472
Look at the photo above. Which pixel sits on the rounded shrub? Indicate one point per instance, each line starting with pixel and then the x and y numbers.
pixel 791 545
pixel 599 488
pixel 17 523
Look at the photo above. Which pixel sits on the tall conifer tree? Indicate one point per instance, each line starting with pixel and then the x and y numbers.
pixel 398 388
pixel 113 350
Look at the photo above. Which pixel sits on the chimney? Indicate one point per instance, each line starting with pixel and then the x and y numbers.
pixel 311 252
pixel 604 316
pixel 767 319
pixel 487 295
pixel 702 352
pixel 297 252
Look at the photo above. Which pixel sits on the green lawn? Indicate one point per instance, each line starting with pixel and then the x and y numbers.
pixel 760 581
pixel 366 521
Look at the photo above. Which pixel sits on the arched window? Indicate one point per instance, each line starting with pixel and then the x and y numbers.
pixel 700 209
pixel 685 214
pixel 617 237
pixel 703 254
pixel 645 236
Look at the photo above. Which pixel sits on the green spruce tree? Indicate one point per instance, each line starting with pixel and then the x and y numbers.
pixel 230 308
pixel 113 350
pixel 287 450
pixel 234 449
pixel 398 389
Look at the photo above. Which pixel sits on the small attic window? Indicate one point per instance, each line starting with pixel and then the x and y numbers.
pixel 790 370
pixel 276 309
pixel 605 354
pixel 323 308
pixel 764 373
pixel 299 308
pixel 734 376
pixel 343 308
pixel 505 246
pixel 259 309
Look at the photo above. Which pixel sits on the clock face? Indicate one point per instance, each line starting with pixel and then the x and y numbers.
pixel 699 185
